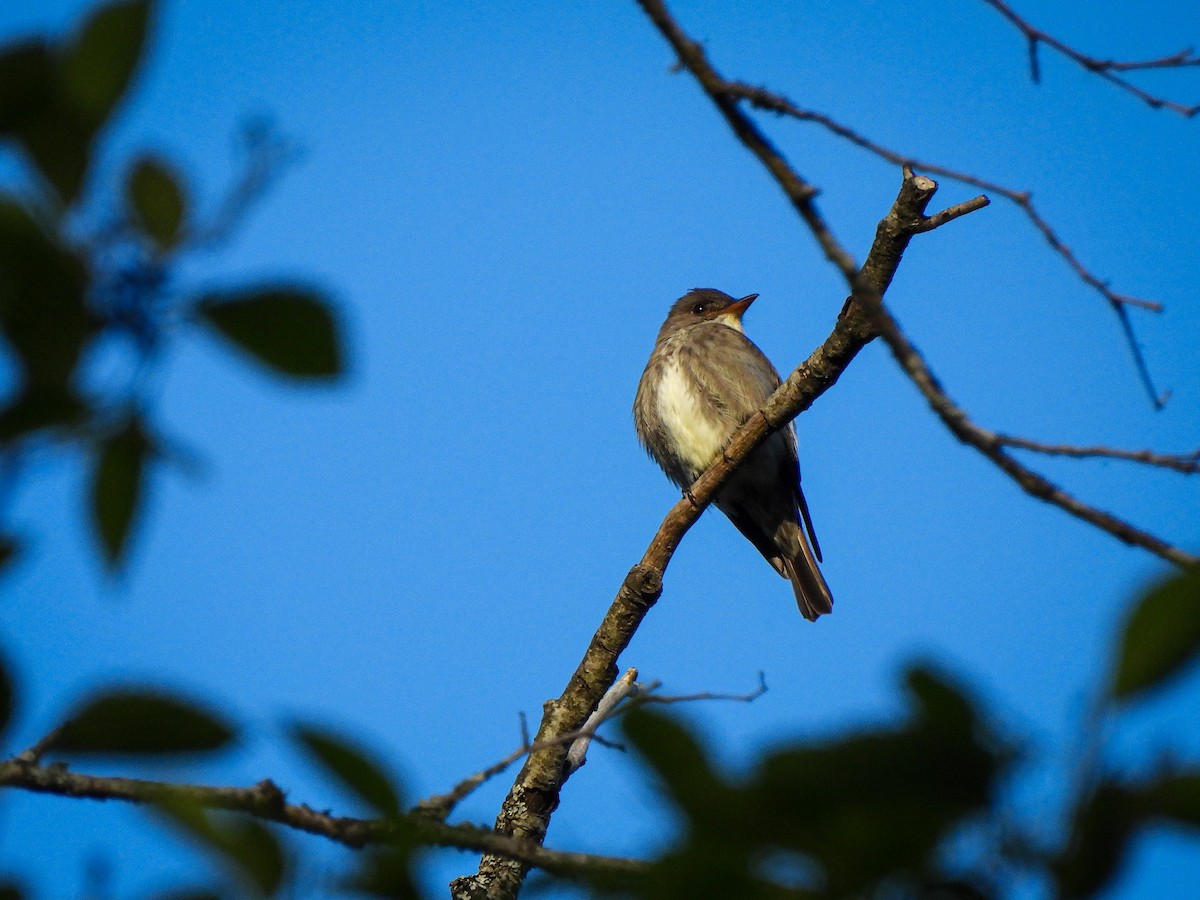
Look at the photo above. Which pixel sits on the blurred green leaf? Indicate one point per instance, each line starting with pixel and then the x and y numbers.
pixel 98 64
pixel 244 845
pixel 1106 824
pixel 27 81
pixel 1176 797
pixel 682 764
pixel 135 722
pixel 154 193
pixel 351 766
pixel 864 811
pixel 43 312
pixel 8 696
pixel 37 407
pixel 1100 836
pixel 385 873
pixel 58 142
pixel 878 805
pixel 116 491
pixel 290 330
pixel 1161 636
pixel 10 550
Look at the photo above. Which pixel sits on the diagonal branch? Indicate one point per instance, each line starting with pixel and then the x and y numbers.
pixel 723 95
pixel 1105 68
pixel 992 445
pixel 534 795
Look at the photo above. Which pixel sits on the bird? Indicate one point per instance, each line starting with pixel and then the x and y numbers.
pixel 704 379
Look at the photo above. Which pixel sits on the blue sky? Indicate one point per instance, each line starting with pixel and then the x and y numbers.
pixel 505 199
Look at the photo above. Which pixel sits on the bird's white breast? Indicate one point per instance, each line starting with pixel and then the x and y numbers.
pixel 697 438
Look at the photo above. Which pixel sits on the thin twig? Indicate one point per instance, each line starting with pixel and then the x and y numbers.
pixel 987 443
pixel 34 754
pixel 1187 463
pixel 524 729
pixel 707 695
pixel 770 101
pixel 624 687
pixel 1102 67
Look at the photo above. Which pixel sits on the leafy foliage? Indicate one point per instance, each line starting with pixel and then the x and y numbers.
pixel 863 811
pixel 1161 637
pixel 143 723
pixel 63 297
pixel 156 197
pixel 289 330
pixel 247 848
pixel 7 697
pixel 350 766
pixel 117 486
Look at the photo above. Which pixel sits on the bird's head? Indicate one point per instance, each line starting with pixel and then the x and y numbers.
pixel 705 305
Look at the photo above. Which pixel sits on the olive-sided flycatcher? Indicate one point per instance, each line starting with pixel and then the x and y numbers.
pixel 704 379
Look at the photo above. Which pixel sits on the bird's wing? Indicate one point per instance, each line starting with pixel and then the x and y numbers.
pixel 734 374
pixel 739 379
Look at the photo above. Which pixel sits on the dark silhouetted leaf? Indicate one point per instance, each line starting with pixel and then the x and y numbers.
pixel 351 766
pixel 290 330
pixel 682 764
pixel 43 312
pixel 117 480
pixel 41 407
pixel 1176 797
pixel 1105 826
pixel 1100 838
pixel 8 696
pixel 1162 635
pixel 27 81
pixel 58 142
pixel 10 550
pixel 245 846
pixel 129 722
pixel 11 891
pixel 156 197
pixel 98 64
pixel 877 805
pixel 385 873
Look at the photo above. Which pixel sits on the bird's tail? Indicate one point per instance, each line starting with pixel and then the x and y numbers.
pixel 812 593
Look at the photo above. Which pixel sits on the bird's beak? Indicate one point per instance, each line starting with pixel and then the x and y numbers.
pixel 739 307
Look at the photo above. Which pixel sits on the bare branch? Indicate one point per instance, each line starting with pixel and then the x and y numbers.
pixel 988 443
pixel 763 99
pixel 527 809
pixel 624 687
pixel 950 213
pixel 266 801
pixel 534 795
pixel 706 695
pixel 1187 463
pixel 1102 67
pixel 34 754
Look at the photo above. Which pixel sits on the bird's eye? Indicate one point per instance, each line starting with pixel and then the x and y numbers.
pixel 700 308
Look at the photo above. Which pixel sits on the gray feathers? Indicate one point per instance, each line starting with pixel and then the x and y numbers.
pixel 704 379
